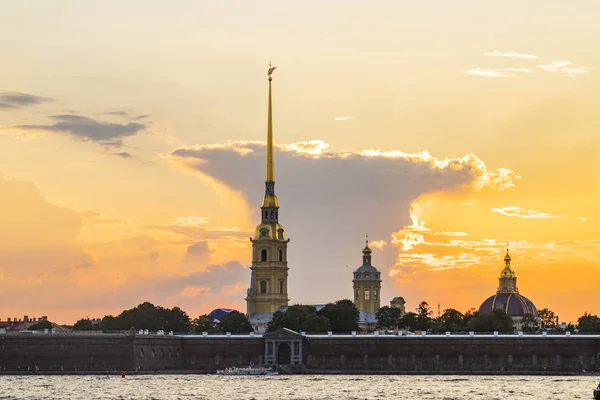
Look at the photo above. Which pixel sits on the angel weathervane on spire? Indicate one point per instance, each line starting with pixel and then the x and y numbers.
pixel 271 68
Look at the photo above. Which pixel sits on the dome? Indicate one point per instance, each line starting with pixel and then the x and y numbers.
pixel 218 313
pixel 512 303
pixel 366 273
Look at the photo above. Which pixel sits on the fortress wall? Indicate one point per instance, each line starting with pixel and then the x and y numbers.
pixel 453 354
pixel 154 353
pixel 53 352
pixel 210 354
pixel 102 353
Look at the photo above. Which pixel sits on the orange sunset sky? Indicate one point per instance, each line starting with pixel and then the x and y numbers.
pixel 132 150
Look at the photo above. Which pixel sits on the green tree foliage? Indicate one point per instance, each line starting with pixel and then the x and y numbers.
pixel 547 319
pixel 343 315
pixel 408 321
pixel 235 322
pixel 84 324
pixel 154 318
pixel 316 324
pixel 144 316
pixel 204 323
pixel 424 320
pixel 110 323
pixel 469 315
pixel 496 320
pixel 388 317
pixel 530 324
pixel 451 320
pixel 293 318
pixel 40 326
pixel 588 323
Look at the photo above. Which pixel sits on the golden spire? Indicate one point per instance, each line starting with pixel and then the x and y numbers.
pixel 367 251
pixel 270 199
pixel 270 159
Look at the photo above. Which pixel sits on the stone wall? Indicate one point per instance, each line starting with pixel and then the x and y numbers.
pixel 386 354
pixel 157 353
pixel 66 352
pixel 447 354
pixel 210 354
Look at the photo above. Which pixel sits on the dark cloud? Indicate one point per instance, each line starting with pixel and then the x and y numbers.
pixel 328 204
pixel 213 278
pixel 122 154
pixel 88 129
pixel 11 100
pixel 85 264
pixel 120 113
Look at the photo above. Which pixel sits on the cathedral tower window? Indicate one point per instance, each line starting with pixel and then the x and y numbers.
pixel 263 287
pixel 263 255
pixel 357 294
pixel 281 287
pixel 367 294
pixel 375 294
pixel 280 255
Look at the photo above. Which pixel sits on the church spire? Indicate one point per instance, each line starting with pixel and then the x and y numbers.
pixel 270 158
pixel 270 199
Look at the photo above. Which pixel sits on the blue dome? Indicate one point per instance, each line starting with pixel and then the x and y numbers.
pixel 367 273
pixel 512 303
pixel 218 313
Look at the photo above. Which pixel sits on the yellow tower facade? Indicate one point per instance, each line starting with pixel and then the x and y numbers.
pixel 367 284
pixel 269 272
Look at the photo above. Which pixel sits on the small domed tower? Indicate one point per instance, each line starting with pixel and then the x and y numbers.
pixel 367 284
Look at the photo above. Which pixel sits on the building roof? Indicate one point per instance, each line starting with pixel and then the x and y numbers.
pixel 512 303
pixel 260 318
pixel 366 318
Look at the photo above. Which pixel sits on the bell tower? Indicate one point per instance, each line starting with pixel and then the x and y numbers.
pixel 366 283
pixel 269 270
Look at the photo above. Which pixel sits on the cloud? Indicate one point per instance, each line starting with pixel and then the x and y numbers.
pixel 555 66
pixel 108 134
pixel 120 113
pixel 564 68
pixel 486 72
pixel 516 211
pixel 191 220
pixel 198 254
pixel 343 118
pixel 355 192
pixel 450 234
pixel 576 71
pixel 12 100
pixel 377 244
pixel 511 55
pixel 122 154
pixel 496 72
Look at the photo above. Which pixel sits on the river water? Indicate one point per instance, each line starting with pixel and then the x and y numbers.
pixel 175 387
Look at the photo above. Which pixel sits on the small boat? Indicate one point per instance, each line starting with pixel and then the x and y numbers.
pixel 251 370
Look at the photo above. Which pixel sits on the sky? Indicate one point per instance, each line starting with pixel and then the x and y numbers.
pixel 132 145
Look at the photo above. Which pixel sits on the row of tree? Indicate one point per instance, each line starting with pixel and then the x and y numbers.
pixel 340 316
pixel 155 318
pixel 452 320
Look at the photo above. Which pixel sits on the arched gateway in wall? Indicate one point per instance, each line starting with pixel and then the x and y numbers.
pixel 283 347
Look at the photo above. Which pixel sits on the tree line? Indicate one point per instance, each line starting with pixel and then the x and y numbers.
pixel 340 316
pixel 452 320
